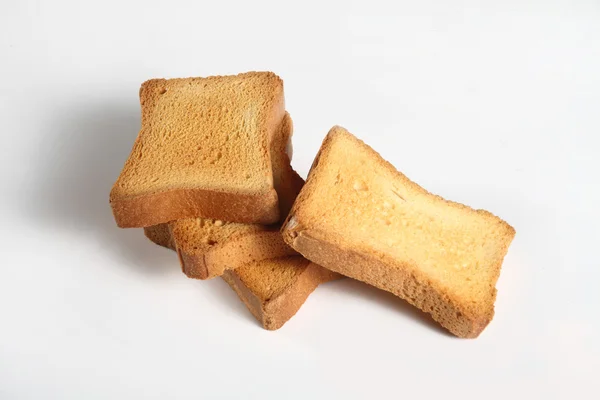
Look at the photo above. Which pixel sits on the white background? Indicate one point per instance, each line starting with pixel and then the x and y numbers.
pixel 495 104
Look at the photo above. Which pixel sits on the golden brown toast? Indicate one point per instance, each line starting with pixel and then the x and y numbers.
pixel 357 215
pixel 203 151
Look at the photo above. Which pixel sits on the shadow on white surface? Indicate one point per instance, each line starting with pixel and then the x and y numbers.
pixel 387 300
pixel 81 156
pixel 216 292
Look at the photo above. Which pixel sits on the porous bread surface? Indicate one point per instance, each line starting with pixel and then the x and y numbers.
pixel 439 255
pixel 212 133
pixel 202 137
pixel 198 237
pixel 268 278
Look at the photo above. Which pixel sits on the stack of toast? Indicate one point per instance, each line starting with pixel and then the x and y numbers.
pixel 210 177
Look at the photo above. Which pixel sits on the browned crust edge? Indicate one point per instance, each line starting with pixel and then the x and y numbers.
pixel 154 209
pixel 412 288
pixel 252 301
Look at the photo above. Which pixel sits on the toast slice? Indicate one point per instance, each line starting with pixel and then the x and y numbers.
pixel 272 289
pixel 202 151
pixel 357 215
pixel 208 247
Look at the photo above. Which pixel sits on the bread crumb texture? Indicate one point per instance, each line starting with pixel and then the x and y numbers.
pixel 200 235
pixel 211 133
pixel 269 278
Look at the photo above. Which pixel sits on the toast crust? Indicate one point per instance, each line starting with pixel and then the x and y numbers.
pixel 153 209
pixel 399 281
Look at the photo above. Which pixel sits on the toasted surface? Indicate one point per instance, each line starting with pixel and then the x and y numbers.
pixel 275 289
pixel 359 216
pixel 269 278
pixel 205 245
pixel 203 141
pixel 272 289
pixel 201 235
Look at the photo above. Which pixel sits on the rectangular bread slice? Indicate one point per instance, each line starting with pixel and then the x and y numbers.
pixel 357 215
pixel 207 247
pixel 272 289
pixel 203 151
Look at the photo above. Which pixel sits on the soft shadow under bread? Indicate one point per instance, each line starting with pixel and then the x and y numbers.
pixel 388 300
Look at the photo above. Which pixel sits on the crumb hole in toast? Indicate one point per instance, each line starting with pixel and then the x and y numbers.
pixel 162 91
pixel 211 242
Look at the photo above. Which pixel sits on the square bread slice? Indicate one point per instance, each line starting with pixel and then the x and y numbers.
pixel 202 151
pixel 272 289
pixel 208 247
pixel 357 215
